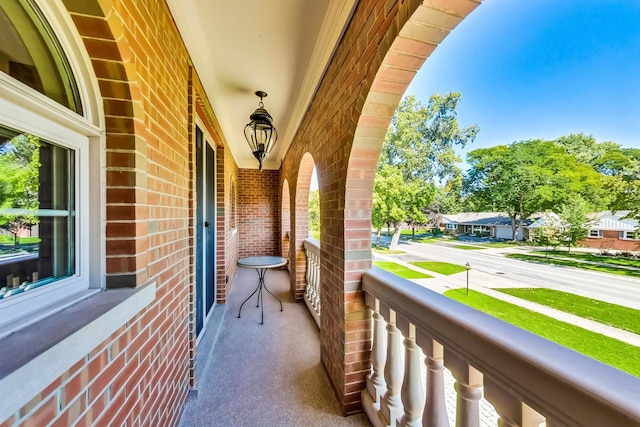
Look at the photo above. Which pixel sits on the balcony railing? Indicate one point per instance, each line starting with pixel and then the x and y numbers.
pixel 529 380
pixel 312 291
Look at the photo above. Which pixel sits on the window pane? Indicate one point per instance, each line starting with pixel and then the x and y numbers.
pixel 30 53
pixel 37 213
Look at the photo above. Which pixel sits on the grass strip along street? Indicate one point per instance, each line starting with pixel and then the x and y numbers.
pixel 468 247
pixel 577 264
pixel 386 251
pixel 609 314
pixel 618 354
pixel 439 267
pixel 585 256
pixel 401 270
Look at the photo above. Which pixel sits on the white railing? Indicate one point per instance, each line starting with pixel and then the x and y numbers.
pixel 529 380
pixel 312 291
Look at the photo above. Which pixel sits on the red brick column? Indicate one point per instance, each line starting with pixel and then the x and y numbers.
pixel 384 45
pixel 126 150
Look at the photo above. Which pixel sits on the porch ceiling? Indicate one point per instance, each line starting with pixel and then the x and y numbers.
pixel 279 46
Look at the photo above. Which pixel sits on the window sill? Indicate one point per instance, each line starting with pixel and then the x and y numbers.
pixel 42 352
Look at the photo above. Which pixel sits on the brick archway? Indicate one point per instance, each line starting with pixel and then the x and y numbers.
pixel 301 225
pixel 285 225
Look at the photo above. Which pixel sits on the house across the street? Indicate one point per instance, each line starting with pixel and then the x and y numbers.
pixel 495 225
pixel 607 230
pixel 612 231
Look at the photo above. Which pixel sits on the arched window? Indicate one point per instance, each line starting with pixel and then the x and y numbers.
pixel 46 238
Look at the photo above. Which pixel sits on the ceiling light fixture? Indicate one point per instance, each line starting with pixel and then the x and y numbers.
pixel 259 132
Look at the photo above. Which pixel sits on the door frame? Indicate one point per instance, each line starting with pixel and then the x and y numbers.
pixel 207 139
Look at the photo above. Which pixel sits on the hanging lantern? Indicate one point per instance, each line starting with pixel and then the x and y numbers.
pixel 259 132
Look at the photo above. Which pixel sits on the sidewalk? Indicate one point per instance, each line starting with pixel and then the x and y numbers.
pixel 487 284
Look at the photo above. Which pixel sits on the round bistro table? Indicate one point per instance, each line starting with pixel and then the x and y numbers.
pixel 261 264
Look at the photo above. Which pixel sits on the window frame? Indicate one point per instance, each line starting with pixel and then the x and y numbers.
pixel 599 232
pixel 451 226
pixel 629 235
pixel 26 110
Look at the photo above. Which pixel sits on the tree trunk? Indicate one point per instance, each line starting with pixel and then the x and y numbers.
pixel 396 236
pixel 378 235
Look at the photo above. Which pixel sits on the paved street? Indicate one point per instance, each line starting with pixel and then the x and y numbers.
pixel 491 269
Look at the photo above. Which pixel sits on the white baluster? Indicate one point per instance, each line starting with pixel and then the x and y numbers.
pixel 513 412
pixel 469 390
pixel 375 380
pixel 316 267
pixel 412 392
pixel 391 406
pixel 435 412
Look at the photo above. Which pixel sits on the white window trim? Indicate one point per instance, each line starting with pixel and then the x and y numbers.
pixel 451 226
pixel 599 236
pixel 27 110
pixel 29 304
pixel 629 235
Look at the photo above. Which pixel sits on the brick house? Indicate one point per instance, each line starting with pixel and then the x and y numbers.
pixel 141 176
pixel 613 231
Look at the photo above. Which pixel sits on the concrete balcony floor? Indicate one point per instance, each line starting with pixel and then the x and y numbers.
pixel 262 375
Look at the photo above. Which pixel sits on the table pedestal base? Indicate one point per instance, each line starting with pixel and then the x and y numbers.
pixel 260 302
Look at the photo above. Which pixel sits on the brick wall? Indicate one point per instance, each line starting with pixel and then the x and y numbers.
pixel 258 210
pixel 227 226
pixel 141 374
pixel 610 241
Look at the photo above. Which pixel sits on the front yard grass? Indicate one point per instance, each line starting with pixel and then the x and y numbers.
pixel 386 251
pixel 585 256
pixel 468 247
pixel 609 314
pixel 500 244
pixel 618 354
pixel 440 267
pixel 401 270
pixel 568 263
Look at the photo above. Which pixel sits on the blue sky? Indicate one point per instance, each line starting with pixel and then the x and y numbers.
pixel 542 69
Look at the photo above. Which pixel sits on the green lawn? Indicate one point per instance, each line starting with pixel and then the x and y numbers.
pixel 8 240
pixel 585 256
pixel 401 270
pixel 440 267
pixel 577 264
pixel 499 244
pixel 600 311
pixel 616 353
pixel 468 248
pixel 386 251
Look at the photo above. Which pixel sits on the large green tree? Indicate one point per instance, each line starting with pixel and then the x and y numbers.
pixel 528 176
pixel 395 201
pixel 19 183
pixel 314 212
pixel 620 167
pixel 575 223
pixel 421 138
pixel 419 148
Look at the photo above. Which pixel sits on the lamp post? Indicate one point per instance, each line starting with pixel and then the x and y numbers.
pixel 468 268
